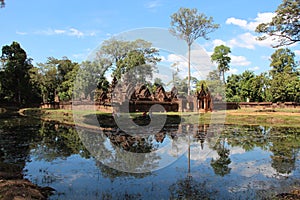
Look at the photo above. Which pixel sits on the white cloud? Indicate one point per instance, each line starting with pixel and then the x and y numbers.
pixel 238 22
pixel 162 59
pixel 75 32
pixel 200 63
pixel 232 71
pixel 69 32
pixel 152 4
pixel 21 33
pixel 239 61
pixel 254 68
pixel 218 42
pixel 57 31
pixel 297 52
pixel 251 25
pixel 249 41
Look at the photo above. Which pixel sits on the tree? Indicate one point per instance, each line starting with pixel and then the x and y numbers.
pixel 189 25
pixel 232 90
pixel 91 77
pixel 246 80
pixel 259 84
pixel 57 78
pixel 284 85
pixel 283 60
pixel 16 86
pixel 221 57
pixel 285 25
pixel 247 86
pixel 126 55
pixel 213 75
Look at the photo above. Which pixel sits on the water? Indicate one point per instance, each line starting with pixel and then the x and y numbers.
pixel 245 162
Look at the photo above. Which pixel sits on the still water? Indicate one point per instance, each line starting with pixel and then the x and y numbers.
pixel 245 162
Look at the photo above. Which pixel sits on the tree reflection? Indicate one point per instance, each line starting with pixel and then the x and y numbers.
pixel 247 137
pixel 220 165
pixel 283 143
pixel 108 172
pixel 189 188
pixel 57 141
pixel 15 137
pixel 285 149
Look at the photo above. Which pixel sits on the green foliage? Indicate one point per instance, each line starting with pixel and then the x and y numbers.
pixel 134 62
pixel 222 58
pixel 246 86
pixel 284 85
pixel 282 61
pixel 16 86
pixel 125 56
pixel 284 25
pixel 189 25
pixel 56 78
pixel 91 77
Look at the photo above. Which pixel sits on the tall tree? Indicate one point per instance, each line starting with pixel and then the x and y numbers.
pixel 15 80
pixel 284 85
pixel 189 25
pixel 285 25
pixel 283 60
pixel 221 56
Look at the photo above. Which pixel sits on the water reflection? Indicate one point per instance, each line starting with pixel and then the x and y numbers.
pixel 242 161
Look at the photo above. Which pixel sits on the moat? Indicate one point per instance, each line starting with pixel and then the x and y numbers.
pixel 251 162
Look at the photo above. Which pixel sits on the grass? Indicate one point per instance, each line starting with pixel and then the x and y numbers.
pixel 279 118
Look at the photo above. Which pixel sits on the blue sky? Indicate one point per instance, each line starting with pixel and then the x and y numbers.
pixel 75 28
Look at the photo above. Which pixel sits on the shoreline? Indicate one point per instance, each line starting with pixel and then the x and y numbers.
pixel 276 118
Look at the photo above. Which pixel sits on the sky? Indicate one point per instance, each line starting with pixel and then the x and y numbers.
pixel 74 29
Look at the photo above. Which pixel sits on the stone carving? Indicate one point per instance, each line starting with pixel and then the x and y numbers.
pixel 141 93
pixel 160 94
pixel 204 100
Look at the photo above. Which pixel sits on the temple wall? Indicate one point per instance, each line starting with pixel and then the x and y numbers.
pixel 181 105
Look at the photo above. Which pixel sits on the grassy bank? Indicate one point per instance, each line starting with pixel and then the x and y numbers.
pixel 278 118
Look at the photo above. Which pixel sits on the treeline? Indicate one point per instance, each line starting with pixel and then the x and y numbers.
pixel 23 84
pixel 280 84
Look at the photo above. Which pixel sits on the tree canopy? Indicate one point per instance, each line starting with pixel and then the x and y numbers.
pixel 285 25
pixel 221 56
pixel 189 25
pixel 16 86
pixel 126 55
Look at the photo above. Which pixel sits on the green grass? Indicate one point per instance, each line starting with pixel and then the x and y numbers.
pixel 238 117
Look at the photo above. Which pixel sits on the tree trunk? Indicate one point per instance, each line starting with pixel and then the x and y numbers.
pixel 189 69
